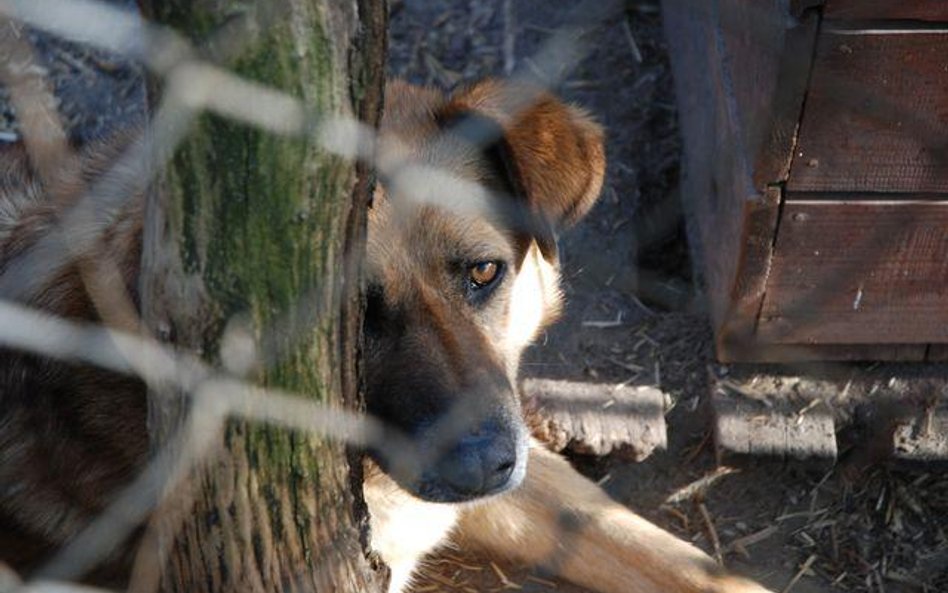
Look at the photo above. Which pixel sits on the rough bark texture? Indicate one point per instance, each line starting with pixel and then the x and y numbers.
pixel 254 229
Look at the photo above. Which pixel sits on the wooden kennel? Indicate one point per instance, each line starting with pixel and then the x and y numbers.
pixel 815 173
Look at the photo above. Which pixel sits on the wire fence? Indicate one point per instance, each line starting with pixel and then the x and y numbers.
pixel 192 85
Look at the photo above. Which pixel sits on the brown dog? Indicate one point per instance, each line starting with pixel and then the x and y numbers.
pixel 461 275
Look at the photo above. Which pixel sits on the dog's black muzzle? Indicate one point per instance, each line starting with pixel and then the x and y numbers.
pixel 482 463
pixel 446 468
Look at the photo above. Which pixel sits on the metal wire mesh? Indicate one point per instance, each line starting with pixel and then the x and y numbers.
pixel 194 85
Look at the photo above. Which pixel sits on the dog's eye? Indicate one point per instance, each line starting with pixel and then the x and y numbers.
pixel 483 273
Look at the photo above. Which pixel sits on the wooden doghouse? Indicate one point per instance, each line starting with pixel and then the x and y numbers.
pixel 815 173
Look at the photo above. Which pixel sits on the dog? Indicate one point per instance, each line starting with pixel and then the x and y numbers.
pixel 455 295
pixel 461 275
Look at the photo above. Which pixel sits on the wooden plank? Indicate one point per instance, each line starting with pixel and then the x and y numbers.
pixel 736 332
pixel 740 70
pixel 596 418
pixel 705 98
pixel 924 436
pixel 875 118
pixel 766 63
pixel 769 417
pixel 915 421
pixel 921 10
pixel 778 133
pixel 937 353
pixel 900 411
pixel 858 273
pixel 763 352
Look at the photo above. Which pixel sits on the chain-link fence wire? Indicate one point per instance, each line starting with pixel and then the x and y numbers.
pixel 193 84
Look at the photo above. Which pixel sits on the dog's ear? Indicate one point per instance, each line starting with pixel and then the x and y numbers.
pixel 551 152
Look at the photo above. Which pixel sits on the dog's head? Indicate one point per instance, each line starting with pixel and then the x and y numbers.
pixel 462 270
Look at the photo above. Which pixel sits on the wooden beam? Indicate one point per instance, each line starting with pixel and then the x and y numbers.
pixel 596 418
pixel 767 417
pixel 920 10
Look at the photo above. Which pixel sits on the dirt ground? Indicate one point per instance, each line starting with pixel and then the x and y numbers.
pixel 635 315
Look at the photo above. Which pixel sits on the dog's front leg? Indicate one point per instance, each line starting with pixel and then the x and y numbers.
pixel 404 528
pixel 564 523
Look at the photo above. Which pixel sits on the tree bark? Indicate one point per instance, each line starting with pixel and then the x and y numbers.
pixel 253 234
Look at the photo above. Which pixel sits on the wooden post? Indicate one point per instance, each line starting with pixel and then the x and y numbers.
pixel 262 233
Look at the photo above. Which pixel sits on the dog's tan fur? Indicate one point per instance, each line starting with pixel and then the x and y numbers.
pixel 422 220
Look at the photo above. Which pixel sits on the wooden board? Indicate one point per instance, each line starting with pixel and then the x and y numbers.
pixel 736 331
pixel 921 10
pixel 858 273
pixel 924 437
pixel 763 68
pixel 596 418
pixel 704 94
pixel 766 417
pixel 876 115
pixel 937 353
pixel 740 71
pixel 759 351
pixel 898 411
pixel 778 132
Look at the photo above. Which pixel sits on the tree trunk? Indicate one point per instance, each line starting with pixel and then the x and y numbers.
pixel 251 234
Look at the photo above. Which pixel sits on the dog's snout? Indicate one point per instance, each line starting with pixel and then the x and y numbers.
pixel 480 464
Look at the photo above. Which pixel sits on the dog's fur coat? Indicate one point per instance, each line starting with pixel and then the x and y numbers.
pixel 461 275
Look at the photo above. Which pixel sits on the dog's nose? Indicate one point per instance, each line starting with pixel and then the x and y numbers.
pixel 480 463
